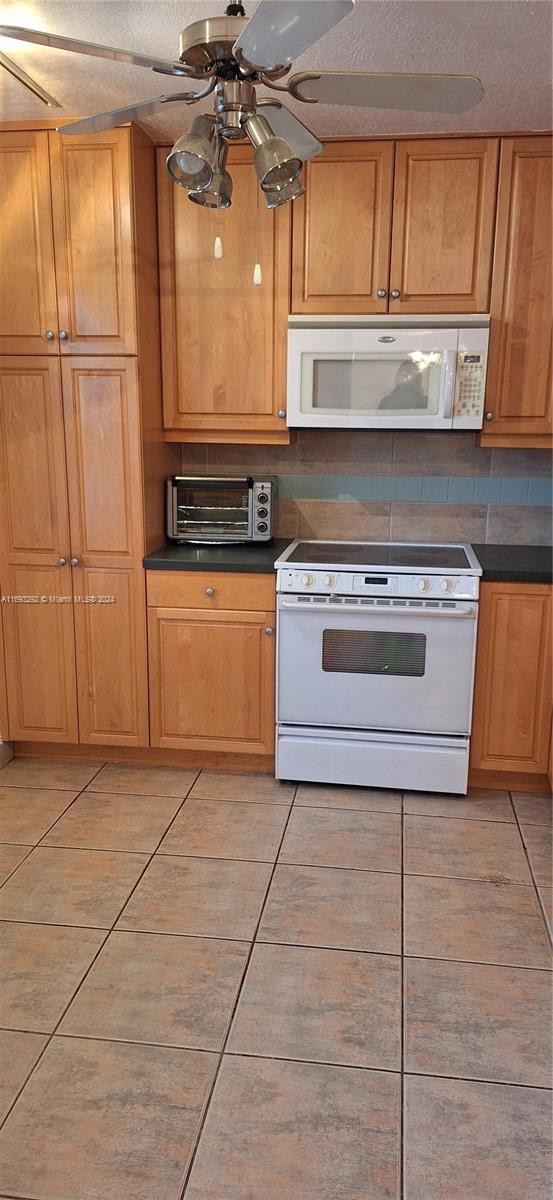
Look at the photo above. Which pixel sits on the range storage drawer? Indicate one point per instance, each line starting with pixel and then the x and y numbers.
pixel 210 590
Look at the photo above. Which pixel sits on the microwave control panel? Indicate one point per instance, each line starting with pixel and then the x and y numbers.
pixel 470 379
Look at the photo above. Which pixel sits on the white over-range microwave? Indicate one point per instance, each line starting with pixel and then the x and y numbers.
pixel 387 373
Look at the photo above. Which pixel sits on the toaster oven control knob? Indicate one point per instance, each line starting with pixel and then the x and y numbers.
pixel 262 498
pixel 262 512
pixel 262 526
pixel 424 585
pixel 307 580
pixel 329 581
pixel 448 585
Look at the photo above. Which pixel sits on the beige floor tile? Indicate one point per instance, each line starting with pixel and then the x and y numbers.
pixel 331 838
pixel 285 1130
pixel 464 849
pixel 322 906
pixel 64 774
pixel 533 810
pixel 546 896
pixel 216 785
pixel 538 840
pixel 144 781
pixel 366 799
pixel 18 1054
pixel 174 991
pixel 475 921
pixel 477 806
pixel 478 1022
pixel 71 887
pixel 10 857
pixel 102 821
pixel 100 1119
pixel 40 968
pixel 334 1006
pixel 476 1141
pixel 227 829
pixel 27 813
pixel 207 897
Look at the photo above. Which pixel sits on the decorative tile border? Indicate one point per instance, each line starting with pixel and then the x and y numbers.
pixel 426 489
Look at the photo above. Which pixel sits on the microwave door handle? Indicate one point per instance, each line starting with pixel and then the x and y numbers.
pixel 448 395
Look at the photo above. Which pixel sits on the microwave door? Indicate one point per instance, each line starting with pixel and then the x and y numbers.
pixel 372 379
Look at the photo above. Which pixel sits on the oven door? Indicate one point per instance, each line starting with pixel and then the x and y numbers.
pixel 209 509
pixel 376 664
pixel 372 378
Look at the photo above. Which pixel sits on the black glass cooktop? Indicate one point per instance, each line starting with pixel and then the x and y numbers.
pixel 380 554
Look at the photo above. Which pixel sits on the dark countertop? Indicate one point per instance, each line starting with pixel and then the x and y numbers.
pixel 255 556
pixel 515 564
pixel 506 564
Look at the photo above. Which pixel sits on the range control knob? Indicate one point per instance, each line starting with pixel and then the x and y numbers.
pixel 424 585
pixel 262 512
pixel 262 527
pixel 262 498
pixel 329 581
pixel 448 585
pixel 307 580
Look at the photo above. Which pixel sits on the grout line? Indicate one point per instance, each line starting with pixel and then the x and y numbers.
pixel 22 846
pixel 190 1164
pixel 90 966
pixel 535 884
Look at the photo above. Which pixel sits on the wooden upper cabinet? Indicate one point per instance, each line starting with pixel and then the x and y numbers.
pixel 223 338
pixel 92 213
pixel 341 230
pixel 512 697
pixel 443 225
pixel 519 388
pixel 28 308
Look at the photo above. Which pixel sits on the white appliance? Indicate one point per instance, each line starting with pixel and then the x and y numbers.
pixel 375 663
pixel 387 372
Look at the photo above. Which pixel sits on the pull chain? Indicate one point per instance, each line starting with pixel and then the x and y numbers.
pixel 257 275
pixel 217 245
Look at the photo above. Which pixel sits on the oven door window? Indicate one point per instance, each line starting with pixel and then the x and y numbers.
pixel 209 511
pixel 373 652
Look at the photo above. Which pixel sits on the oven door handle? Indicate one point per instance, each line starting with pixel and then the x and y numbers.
pixel 400 612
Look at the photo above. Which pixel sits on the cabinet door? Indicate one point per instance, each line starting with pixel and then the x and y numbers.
pixel 212 680
pixel 519 389
pixel 512 699
pixel 92 211
pixel 223 339
pixel 34 537
pixel 27 283
pixel 341 230
pixel 102 431
pixel 443 225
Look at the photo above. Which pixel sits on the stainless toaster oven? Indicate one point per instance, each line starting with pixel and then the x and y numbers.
pixel 219 508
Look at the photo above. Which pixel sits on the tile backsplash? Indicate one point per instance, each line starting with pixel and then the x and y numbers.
pixel 400 485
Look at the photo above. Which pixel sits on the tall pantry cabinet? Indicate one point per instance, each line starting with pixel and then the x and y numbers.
pixel 82 456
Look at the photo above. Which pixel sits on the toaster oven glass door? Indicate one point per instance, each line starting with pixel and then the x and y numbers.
pixel 213 511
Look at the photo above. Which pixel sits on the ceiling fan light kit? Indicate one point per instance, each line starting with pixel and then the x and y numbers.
pixel 231 55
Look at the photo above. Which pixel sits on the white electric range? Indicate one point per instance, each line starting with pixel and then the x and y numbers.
pixel 375 663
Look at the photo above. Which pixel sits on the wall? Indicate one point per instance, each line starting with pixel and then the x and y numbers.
pixel 402 486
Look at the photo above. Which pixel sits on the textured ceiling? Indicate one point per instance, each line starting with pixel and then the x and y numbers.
pixel 508 43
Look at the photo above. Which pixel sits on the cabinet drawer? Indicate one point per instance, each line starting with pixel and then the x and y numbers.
pixel 210 590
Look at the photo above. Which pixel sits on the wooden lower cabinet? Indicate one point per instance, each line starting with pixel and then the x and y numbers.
pixel 512 701
pixel 212 670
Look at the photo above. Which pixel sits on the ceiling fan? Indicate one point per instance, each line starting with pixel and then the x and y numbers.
pixel 231 55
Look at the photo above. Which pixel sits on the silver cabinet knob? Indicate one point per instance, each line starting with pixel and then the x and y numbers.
pixel 269 631
pixel 489 416
pixel 62 562
pixel 381 293
pixel 63 335
pixel 281 412
pixel 209 591
pixel 395 294
pixel 74 562
pixel 49 335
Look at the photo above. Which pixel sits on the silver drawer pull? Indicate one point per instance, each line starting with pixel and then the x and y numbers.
pixel 387 338
pixel 209 591
pixel 269 631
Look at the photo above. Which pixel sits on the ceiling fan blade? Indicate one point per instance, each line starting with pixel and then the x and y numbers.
pixel 65 43
pixel 288 126
pixel 116 116
pixel 421 93
pixel 28 81
pixel 279 30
